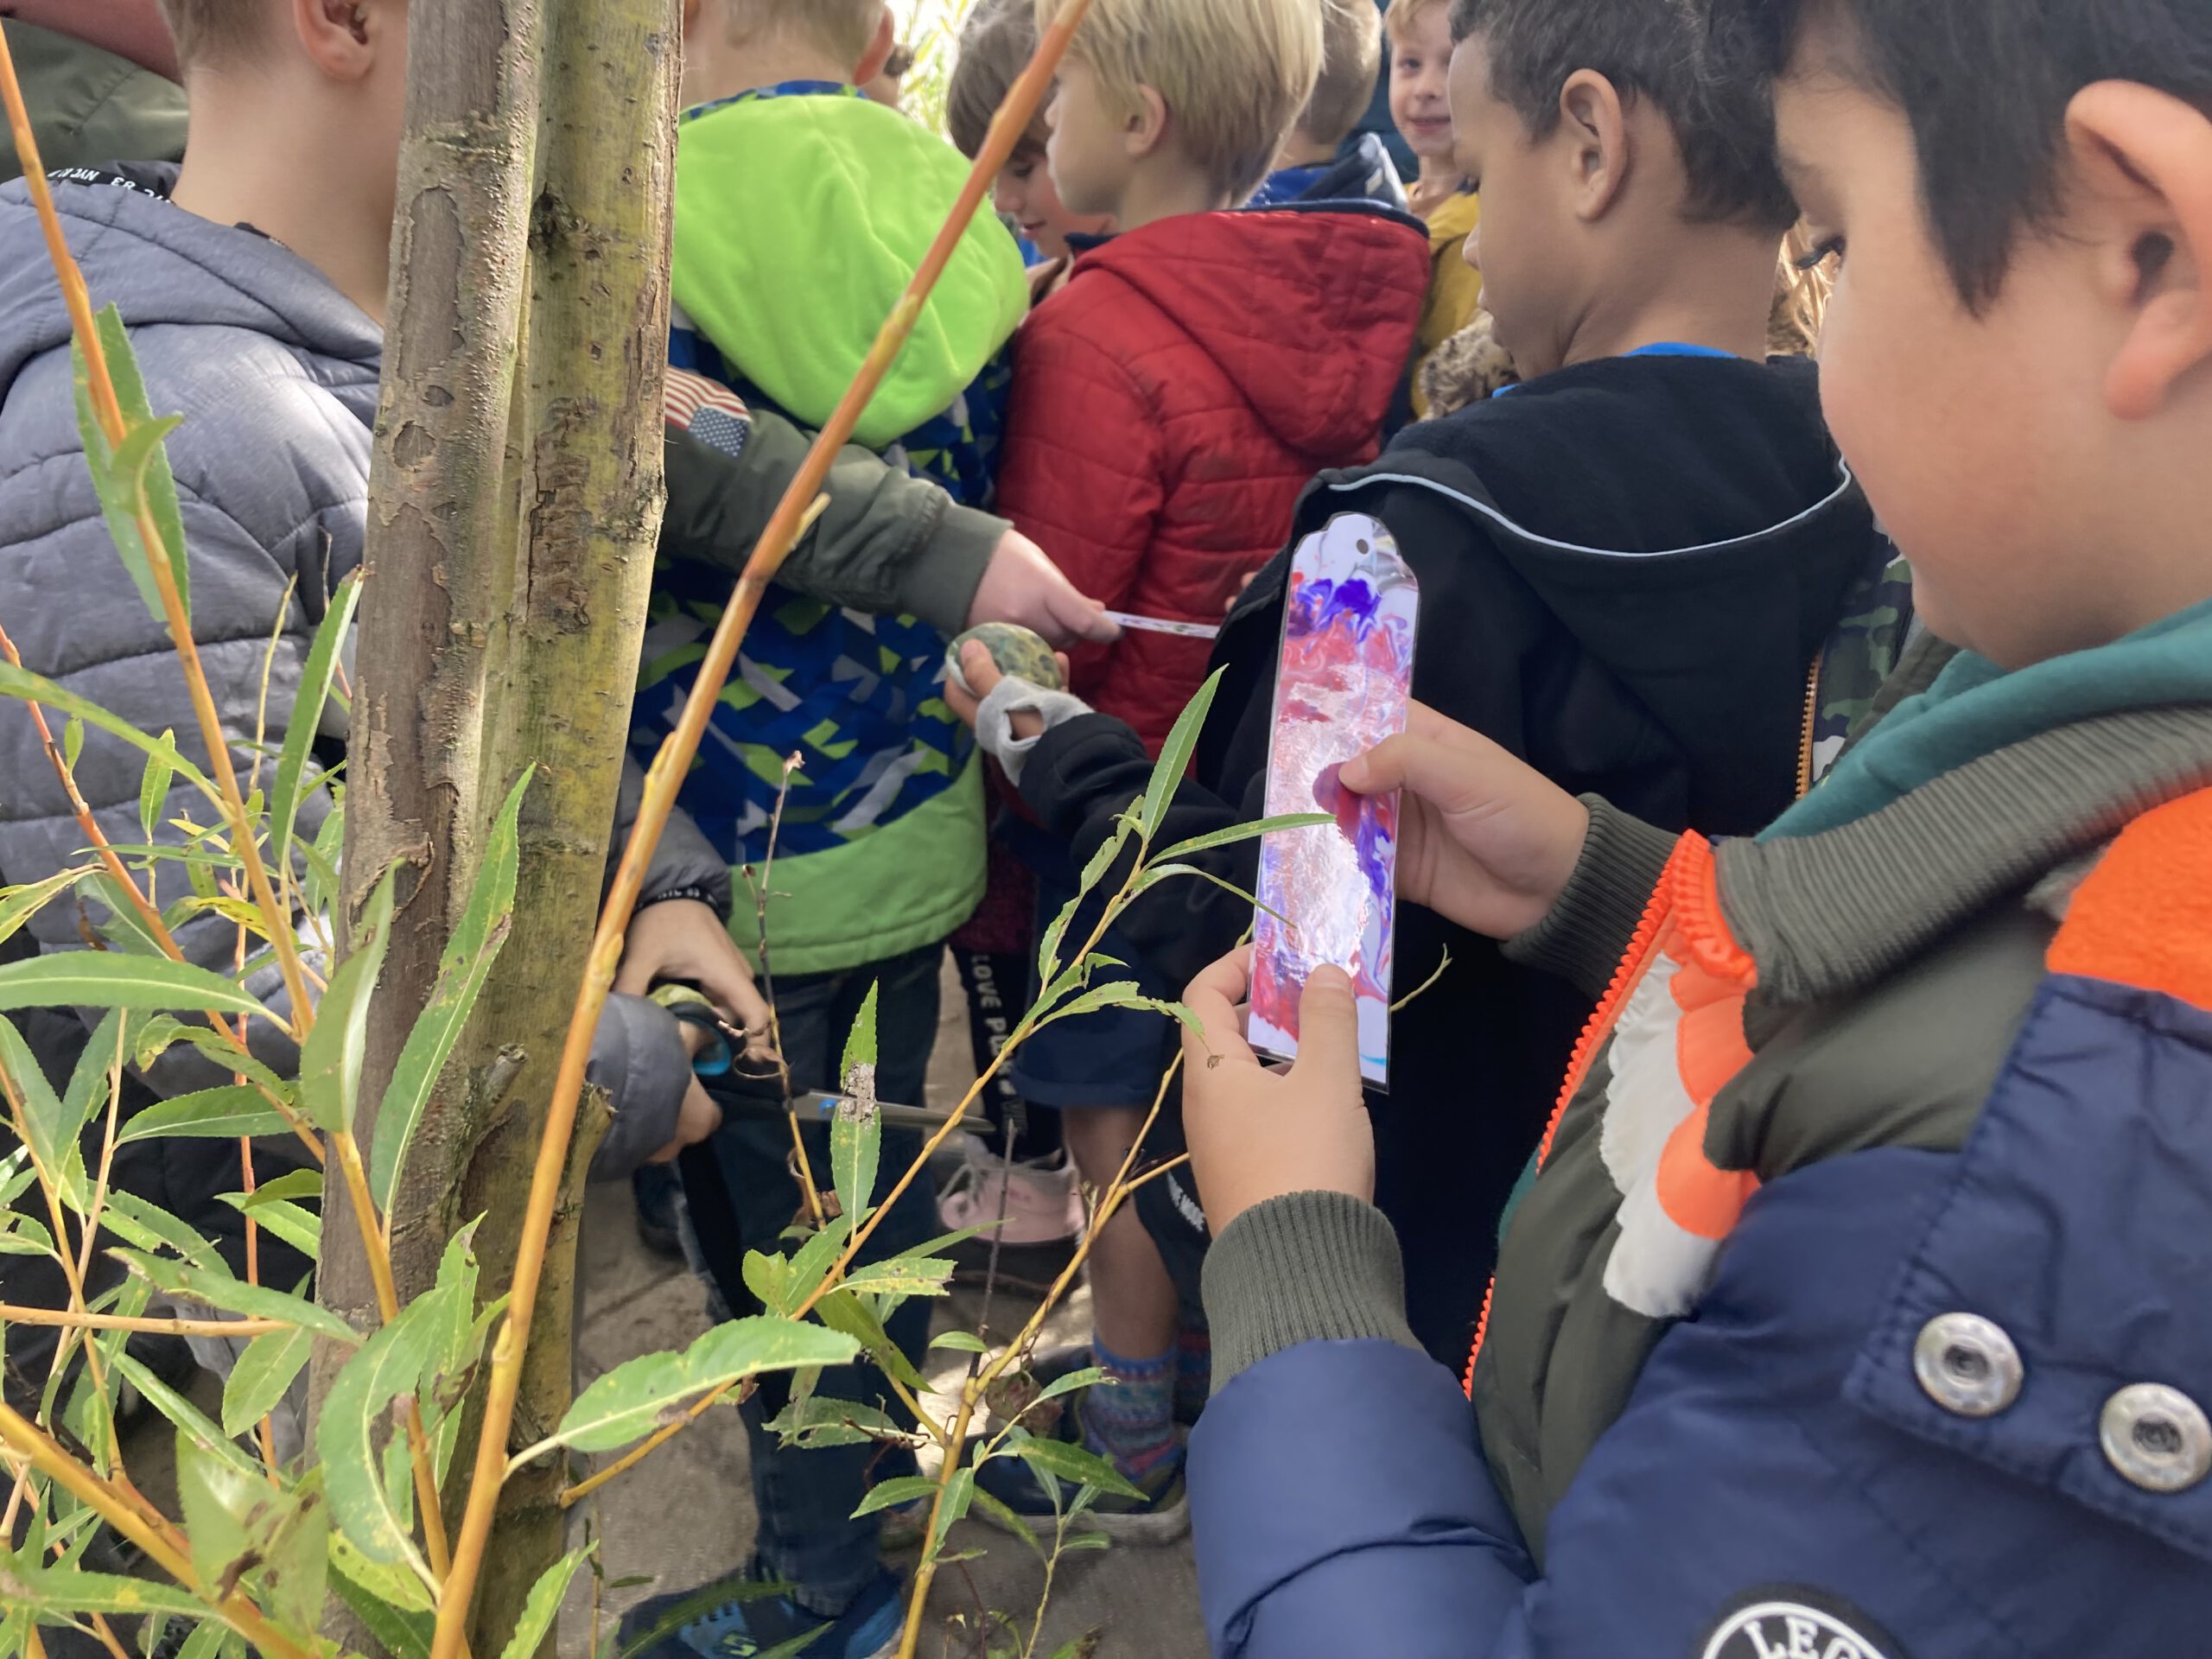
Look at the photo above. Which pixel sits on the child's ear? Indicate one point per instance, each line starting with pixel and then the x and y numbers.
pixel 340 36
pixel 1145 127
pixel 2142 201
pixel 879 49
pixel 690 16
pixel 1595 128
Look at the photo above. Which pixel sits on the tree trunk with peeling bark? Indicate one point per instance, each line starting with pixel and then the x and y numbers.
pixel 514 508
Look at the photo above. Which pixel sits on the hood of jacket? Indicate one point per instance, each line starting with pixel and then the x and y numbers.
pixel 159 265
pixel 1307 309
pixel 800 220
pixel 88 105
pixel 1362 172
pixel 1668 541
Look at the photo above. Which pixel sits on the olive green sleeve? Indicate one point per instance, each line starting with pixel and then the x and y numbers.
pixel 1595 918
pixel 888 542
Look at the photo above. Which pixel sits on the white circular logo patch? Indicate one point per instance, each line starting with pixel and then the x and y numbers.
pixel 1769 1626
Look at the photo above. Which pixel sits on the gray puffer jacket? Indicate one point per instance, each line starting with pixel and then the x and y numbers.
pixel 275 374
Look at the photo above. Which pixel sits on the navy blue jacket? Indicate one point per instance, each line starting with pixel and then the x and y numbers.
pixel 1781 1482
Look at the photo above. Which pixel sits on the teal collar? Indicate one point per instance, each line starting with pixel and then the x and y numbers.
pixel 1976 709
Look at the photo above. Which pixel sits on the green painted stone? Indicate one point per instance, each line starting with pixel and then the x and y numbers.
pixel 1015 649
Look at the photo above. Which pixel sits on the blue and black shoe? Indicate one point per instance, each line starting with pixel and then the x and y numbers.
pixel 743 1617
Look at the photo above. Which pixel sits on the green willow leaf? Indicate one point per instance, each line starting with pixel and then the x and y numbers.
pixel 1235 833
pixel 19 904
pixel 135 474
pixel 542 1605
pixel 841 1310
pixel 390 1601
pixel 360 1419
pixel 35 688
pixel 462 968
pixel 1073 1465
pixel 331 1058
pixel 263 1375
pixel 64 1593
pixel 184 1283
pixel 149 1227
pixel 901 1278
pixel 191 1425
pixel 1175 757
pixel 224 1113
pixel 856 1131
pixel 305 723
pixel 43 1127
pixel 295 1226
pixel 164 1031
pixel 888 1494
pixel 633 1399
pixel 959 1493
pixel 108 979
pixel 153 786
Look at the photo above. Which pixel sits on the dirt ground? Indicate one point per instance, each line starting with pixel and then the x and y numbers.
pixel 686 1516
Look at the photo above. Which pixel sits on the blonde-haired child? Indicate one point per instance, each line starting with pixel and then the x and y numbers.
pixel 1169 406
pixel 1319 162
pixel 1419 34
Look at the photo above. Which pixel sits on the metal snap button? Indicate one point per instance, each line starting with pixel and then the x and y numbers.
pixel 1967 1365
pixel 2156 1438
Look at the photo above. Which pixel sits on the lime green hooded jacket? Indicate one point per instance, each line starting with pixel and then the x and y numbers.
pixel 802 213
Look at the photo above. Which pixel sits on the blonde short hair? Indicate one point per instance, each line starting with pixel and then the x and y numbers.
pixel 205 29
pixel 1235 73
pixel 1351 57
pixel 844 27
pixel 1404 14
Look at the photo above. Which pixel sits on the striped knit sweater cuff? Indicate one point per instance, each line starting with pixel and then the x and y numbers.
pixel 1308 1266
pixel 1590 929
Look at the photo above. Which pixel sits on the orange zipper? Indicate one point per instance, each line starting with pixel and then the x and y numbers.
pixel 1812 721
pixel 1642 947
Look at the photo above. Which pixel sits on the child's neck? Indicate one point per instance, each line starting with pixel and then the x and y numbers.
pixel 1301 150
pixel 246 167
pixel 1164 187
pixel 1712 289
pixel 713 70
pixel 1439 181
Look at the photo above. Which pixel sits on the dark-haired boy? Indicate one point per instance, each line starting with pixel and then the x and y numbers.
pixel 1631 567
pixel 1857 1311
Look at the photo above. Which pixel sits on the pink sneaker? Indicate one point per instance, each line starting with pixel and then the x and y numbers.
pixel 1042 1202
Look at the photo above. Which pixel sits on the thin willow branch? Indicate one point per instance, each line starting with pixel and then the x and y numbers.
pixel 165 1546
pixel 762 892
pixel 977 1386
pixel 70 1319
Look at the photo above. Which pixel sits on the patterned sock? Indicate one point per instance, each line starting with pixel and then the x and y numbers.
pixel 1131 1421
pixel 1194 1374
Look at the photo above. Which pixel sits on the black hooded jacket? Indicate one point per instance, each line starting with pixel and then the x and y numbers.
pixel 1628 570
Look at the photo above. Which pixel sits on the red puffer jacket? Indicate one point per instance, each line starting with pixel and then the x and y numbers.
pixel 1173 399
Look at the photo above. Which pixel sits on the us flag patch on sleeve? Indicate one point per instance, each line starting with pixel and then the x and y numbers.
pixel 1794 1622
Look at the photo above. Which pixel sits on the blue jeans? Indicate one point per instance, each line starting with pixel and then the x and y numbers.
pixel 741 1197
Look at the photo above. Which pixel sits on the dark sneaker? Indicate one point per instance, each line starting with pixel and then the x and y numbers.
pixel 741 1617
pixel 658 1189
pixel 1160 1515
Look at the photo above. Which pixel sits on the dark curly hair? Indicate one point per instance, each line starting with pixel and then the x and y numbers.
pixel 1699 69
